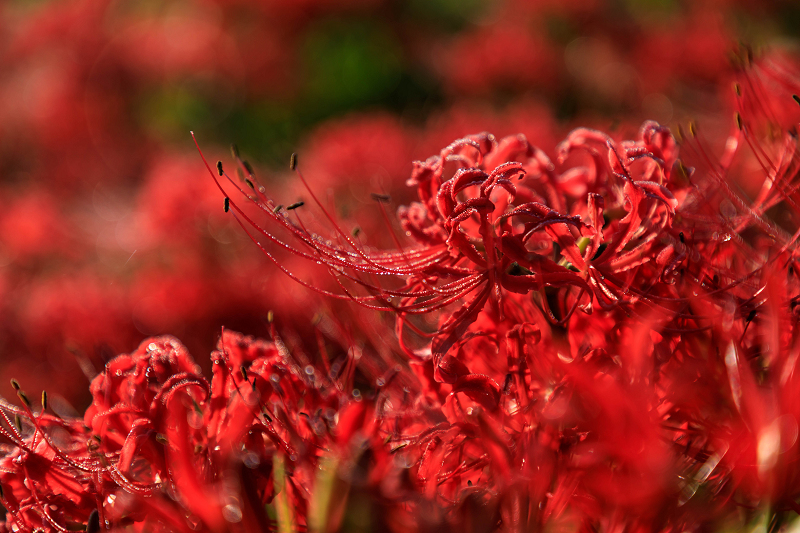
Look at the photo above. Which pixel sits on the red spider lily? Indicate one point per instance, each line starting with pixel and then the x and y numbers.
pixel 482 234
pixel 42 476
pixel 162 449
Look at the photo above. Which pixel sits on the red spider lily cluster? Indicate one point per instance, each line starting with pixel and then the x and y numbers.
pixel 601 340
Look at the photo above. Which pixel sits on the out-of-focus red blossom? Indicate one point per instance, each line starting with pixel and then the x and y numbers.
pixel 32 226
pixel 80 75
pixel 618 59
pixel 375 149
pixel 500 56
pixel 696 49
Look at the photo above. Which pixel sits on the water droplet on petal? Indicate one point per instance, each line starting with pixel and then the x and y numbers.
pixel 251 460
pixel 232 513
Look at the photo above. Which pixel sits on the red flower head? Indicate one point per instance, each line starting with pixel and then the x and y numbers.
pixel 164 450
pixel 45 474
pixel 482 233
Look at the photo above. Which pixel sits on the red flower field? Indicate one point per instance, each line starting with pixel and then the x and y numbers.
pixel 586 320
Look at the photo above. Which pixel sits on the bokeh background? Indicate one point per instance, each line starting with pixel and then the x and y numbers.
pixel 110 228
